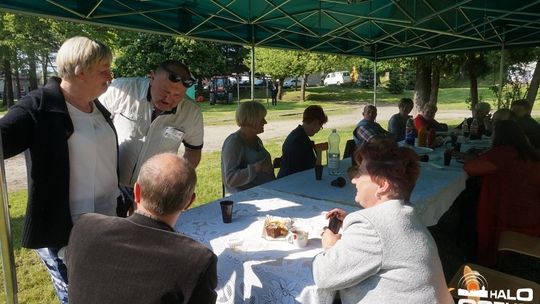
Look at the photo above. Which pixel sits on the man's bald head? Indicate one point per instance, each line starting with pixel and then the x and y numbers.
pixel 167 183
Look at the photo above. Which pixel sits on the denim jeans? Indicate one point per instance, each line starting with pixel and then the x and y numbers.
pixel 57 270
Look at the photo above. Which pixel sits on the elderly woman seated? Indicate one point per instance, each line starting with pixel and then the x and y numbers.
pixel 245 163
pixel 384 254
pixel 426 119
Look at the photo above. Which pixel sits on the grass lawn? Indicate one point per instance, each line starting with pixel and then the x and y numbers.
pixel 34 283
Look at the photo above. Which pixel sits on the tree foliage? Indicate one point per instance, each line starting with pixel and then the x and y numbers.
pixel 140 53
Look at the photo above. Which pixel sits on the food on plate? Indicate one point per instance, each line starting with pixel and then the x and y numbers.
pixel 276 229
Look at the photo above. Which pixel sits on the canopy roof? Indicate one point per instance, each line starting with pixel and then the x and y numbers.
pixel 373 29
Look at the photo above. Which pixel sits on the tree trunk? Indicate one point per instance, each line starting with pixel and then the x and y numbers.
pixel 435 81
pixel 44 62
pixel 535 82
pixel 17 83
pixel 280 88
pixel 32 73
pixel 8 92
pixel 474 89
pixel 303 89
pixel 422 86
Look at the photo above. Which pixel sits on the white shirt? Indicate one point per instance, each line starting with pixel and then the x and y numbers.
pixel 93 183
pixel 139 137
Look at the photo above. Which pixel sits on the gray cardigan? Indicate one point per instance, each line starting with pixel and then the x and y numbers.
pixel 385 255
pixel 237 164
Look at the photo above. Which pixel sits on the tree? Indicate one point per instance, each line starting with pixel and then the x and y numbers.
pixel 279 64
pixel 139 53
pixel 475 66
pixel 422 87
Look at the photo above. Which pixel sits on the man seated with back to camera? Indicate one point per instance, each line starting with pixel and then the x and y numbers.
pixel 141 259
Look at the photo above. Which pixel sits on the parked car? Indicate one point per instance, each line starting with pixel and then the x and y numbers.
pixel 337 78
pixel 291 82
pixel 221 89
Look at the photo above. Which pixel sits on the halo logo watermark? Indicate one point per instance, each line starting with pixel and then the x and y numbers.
pixel 474 287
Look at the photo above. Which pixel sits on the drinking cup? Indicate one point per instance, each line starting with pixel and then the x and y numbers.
pixel 298 237
pixel 318 172
pixel 447 157
pixel 226 211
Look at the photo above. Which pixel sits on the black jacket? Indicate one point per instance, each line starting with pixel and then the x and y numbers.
pixel 40 124
pixel 298 153
pixel 137 260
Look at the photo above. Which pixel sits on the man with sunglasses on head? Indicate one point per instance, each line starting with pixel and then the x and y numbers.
pixel 153 115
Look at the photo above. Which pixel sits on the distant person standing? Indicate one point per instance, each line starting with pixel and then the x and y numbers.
pixel 71 151
pixel 398 121
pixel 298 150
pixel 153 115
pixel 141 259
pixel 274 93
pixel 521 109
pixel 367 129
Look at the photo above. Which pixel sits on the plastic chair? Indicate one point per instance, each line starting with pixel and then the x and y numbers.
pixel 350 146
pixel 319 148
pixel 276 163
pixel 495 280
pixel 519 243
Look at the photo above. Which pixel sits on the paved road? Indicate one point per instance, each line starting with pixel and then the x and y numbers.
pixel 215 135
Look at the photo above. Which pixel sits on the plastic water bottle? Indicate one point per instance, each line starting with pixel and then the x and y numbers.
pixel 333 153
pixel 410 132
pixel 465 128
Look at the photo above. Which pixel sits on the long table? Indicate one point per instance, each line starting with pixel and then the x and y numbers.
pixel 436 189
pixel 271 271
pixel 261 270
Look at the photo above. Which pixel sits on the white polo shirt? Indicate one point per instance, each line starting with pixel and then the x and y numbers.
pixel 139 138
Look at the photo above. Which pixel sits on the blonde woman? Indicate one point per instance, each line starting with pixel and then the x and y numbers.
pixel 71 151
pixel 245 163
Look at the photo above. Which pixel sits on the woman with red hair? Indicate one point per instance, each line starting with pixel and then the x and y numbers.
pixel 384 253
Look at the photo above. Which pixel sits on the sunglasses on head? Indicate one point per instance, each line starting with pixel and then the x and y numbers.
pixel 174 77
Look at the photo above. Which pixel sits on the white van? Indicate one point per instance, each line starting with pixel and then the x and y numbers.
pixel 337 78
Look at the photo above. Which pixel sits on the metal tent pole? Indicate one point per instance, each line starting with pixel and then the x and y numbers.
pixel 375 82
pixel 8 260
pixel 252 76
pixel 501 64
pixel 374 74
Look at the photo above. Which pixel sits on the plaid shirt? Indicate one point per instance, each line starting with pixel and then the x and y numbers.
pixel 366 130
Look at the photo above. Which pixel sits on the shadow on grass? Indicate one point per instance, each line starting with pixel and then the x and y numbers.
pixel 17 224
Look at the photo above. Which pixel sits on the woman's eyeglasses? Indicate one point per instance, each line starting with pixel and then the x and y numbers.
pixel 177 78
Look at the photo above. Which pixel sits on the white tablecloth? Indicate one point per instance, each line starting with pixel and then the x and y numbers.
pixel 436 189
pixel 261 271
